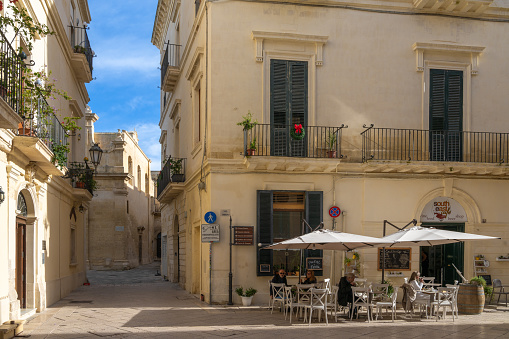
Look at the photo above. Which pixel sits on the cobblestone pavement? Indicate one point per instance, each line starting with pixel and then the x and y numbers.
pixel 139 304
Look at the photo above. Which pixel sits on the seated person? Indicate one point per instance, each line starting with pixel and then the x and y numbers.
pixel 310 278
pixel 416 282
pixel 279 278
pixel 345 294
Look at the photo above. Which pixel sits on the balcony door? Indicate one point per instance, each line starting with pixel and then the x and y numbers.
pixel 288 106
pixel 446 115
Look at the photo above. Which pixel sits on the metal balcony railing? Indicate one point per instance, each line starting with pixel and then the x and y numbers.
pixel 171 59
pixel 276 140
pixel 174 170
pixel 428 145
pixel 81 44
pixel 11 69
pixel 43 124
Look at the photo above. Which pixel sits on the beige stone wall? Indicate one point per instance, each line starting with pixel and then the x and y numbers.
pixel 123 204
pixel 364 67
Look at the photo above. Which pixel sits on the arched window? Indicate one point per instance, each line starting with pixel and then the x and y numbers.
pixel 130 169
pixel 22 205
pixel 139 178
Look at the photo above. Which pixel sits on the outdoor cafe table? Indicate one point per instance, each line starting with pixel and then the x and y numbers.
pixel 432 296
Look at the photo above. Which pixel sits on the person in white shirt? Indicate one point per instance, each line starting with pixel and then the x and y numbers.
pixel 416 281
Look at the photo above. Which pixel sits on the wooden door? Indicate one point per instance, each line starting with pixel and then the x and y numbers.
pixel 21 261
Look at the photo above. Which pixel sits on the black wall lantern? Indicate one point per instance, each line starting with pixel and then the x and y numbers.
pixel 2 195
pixel 96 154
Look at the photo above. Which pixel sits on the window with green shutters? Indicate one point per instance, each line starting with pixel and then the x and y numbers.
pixel 288 105
pixel 280 215
pixel 446 115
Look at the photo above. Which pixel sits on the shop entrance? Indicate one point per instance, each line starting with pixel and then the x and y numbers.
pixel 436 261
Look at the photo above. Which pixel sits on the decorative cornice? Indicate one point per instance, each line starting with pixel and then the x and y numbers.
pixel 463 7
pixel 195 62
pixel 85 12
pixel 473 51
pixel 161 23
pixel 318 40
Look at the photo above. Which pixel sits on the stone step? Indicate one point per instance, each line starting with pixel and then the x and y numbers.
pixel 11 328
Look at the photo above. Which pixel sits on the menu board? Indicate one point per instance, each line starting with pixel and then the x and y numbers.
pixel 396 259
pixel 314 264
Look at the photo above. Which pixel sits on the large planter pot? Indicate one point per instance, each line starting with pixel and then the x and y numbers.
pixel 246 301
pixel 331 154
pixel 470 299
pixel 177 178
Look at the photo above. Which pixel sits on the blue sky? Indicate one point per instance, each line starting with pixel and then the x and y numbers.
pixel 125 94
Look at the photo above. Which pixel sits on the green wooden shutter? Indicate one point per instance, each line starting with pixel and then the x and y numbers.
pixel 288 105
pixel 264 227
pixel 314 216
pixel 446 115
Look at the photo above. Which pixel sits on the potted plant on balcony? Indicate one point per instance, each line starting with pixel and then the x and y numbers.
pixel 70 125
pixel 60 155
pixel 79 49
pixel 176 170
pixel 246 296
pixel 247 123
pixel 252 147
pixel 331 145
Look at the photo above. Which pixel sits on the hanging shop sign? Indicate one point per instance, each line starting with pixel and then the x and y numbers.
pixel 443 209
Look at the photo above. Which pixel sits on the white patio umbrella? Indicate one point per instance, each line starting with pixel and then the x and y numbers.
pixel 429 236
pixel 328 240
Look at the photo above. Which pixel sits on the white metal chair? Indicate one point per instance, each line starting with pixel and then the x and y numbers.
pixel 380 305
pixel 380 292
pixel 332 301
pixel 291 303
pixel 360 298
pixel 456 287
pixel 361 282
pixel 318 302
pixel 445 299
pixel 498 288
pixel 278 295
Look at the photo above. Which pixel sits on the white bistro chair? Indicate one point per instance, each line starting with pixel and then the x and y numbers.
pixel 318 302
pixel 360 298
pixel 446 298
pixel 391 304
pixel 278 295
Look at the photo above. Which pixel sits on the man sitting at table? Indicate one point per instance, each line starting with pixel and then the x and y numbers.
pixel 345 294
pixel 279 278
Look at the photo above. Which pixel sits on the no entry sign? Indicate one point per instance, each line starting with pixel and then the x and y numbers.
pixel 334 212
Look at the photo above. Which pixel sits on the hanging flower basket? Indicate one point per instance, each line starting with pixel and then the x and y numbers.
pixel 297 132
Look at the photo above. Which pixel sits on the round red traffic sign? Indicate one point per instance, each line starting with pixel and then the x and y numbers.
pixel 334 212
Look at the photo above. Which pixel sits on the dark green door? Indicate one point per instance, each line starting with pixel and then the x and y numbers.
pixel 446 115
pixel 288 106
pixel 436 261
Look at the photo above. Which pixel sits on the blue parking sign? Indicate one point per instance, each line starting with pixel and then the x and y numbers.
pixel 210 217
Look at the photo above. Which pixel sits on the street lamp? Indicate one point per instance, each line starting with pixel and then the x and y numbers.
pixel 96 154
pixel 2 195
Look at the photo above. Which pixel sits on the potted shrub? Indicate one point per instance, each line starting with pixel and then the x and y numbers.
pixel 247 123
pixel 471 296
pixel 331 145
pixel 247 296
pixel 176 170
pixel 252 147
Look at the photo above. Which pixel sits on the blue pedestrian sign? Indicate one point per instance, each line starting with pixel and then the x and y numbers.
pixel 210 217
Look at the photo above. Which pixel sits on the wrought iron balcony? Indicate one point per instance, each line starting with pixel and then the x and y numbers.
pixel 425 145
pixel 43 124
pixel 276 140
pixel 11 68
pixel 81 47
pixel 174 170
pixel 170 67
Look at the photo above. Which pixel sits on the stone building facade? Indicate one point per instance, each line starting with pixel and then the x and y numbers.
pixel 42 257
pixel 403 109
pixel 121 233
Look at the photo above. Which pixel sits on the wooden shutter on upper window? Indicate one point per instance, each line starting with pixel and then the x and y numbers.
pixel 265 232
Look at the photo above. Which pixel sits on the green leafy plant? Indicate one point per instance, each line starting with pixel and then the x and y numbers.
pixel 60 152
pixel 331 140
pixel 176 166
pixel 347 260
pixel 248 293
pixel 252 145
pixel 70 125
pixel 479 281
pixel 80 49
pixel 247 123
pixel 390 288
